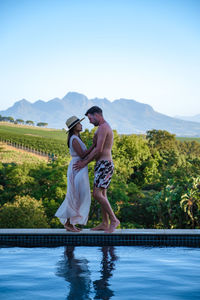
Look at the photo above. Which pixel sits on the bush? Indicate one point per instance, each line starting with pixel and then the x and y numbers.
pixel 24 212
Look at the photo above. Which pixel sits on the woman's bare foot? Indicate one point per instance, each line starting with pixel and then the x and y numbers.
pixel 69 228
pixel 113 226
pixel 72 228
pixel 100 227
pixel 75 228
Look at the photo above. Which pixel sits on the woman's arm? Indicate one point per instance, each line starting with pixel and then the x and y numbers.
pixel 77 147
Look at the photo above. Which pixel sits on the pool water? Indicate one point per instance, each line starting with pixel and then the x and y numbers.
pixel 122 272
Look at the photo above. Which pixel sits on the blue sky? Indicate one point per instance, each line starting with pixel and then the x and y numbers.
pixel 147 50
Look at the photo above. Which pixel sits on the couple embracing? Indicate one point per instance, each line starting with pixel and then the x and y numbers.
pixel 75 208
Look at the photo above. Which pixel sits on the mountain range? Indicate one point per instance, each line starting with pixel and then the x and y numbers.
pixel 125 115
pixel 195 118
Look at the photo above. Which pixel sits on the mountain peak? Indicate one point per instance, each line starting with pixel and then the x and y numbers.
pixel 74 96
pixel 22 103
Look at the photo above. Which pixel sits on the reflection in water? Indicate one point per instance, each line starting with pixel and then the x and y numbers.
pixel 76 272
pixel 101 286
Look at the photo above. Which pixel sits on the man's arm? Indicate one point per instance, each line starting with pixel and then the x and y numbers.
pixel 77 147
pixel 102 132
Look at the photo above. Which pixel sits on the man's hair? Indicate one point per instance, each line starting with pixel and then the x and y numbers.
pixel 94 109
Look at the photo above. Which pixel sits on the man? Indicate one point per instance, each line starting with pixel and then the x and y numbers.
pixel 103 169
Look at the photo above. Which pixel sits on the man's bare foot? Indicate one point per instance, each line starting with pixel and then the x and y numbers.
pixel 100 227
pixel 113 226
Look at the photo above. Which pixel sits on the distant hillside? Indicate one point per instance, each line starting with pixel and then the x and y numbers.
pixel 195 118
pixel 125 115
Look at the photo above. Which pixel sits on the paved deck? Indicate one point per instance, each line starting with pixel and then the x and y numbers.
pixel 87 237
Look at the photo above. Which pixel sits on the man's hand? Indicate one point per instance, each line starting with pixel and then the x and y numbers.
pixel 79 165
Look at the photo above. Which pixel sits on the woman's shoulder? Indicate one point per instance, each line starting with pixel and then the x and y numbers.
pixel 74 137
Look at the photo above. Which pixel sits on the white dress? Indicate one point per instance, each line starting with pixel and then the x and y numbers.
pixel 77 202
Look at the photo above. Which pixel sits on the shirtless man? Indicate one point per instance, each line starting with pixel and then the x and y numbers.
pixel 103 169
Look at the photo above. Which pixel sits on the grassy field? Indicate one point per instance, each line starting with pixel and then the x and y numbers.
pixel 188 139
pixel 56 134
pixel 9 155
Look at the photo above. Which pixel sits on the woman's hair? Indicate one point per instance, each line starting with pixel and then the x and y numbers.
pixel 70 133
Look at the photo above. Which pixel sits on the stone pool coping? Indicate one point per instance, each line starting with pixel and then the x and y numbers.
pixel 121 237
pixel 47 231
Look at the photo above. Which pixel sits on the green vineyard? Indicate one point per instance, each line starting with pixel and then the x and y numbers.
pixel 41 140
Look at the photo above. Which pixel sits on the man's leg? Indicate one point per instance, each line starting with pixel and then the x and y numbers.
pixel 105 216
pixel 104 225
pixel 106 208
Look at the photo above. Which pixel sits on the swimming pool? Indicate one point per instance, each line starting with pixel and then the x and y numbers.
pixel 110 272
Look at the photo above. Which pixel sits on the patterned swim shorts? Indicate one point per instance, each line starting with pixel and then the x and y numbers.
pixel 103 171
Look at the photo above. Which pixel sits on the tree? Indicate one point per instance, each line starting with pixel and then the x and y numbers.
pixel 24 212
pixel 10 119
pixel 161 139
pixel 29 122
pixel 189 148
pixel 42 124
pixel 19 121
pixel 190 202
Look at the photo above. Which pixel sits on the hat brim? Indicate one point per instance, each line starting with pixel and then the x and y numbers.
pixel 78 121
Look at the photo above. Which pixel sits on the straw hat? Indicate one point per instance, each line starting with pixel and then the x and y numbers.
pixel 72 121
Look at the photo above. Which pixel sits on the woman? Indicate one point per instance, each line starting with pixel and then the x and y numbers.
pixel 75 208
